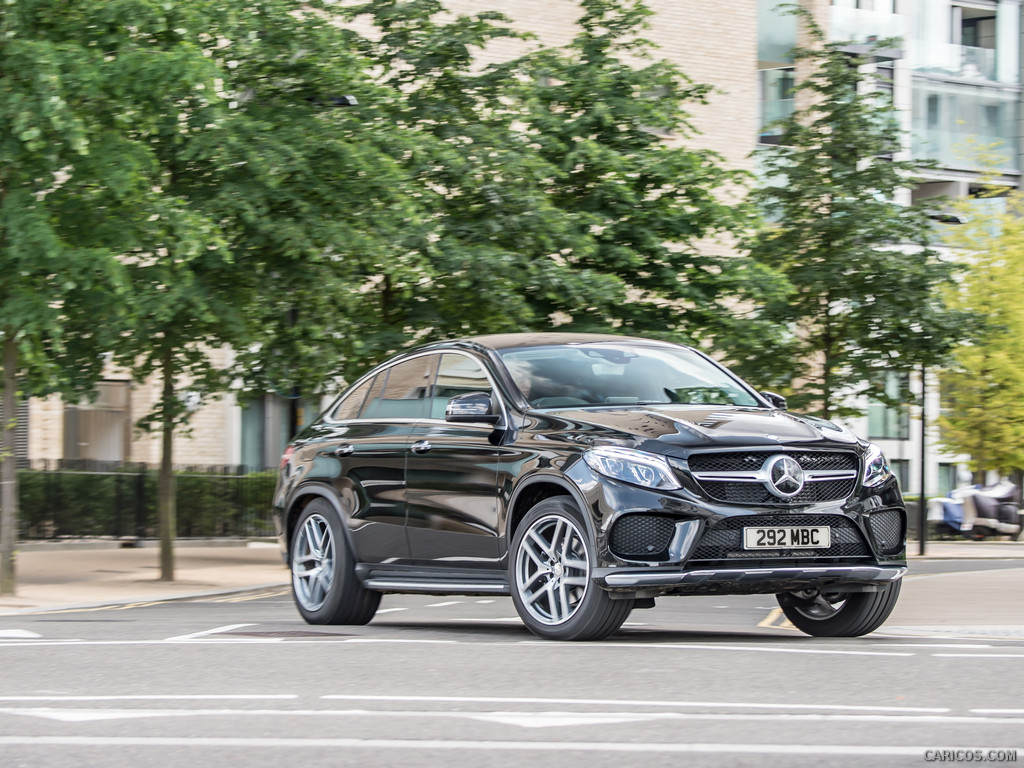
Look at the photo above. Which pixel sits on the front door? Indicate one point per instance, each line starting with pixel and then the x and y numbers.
pixel 452 477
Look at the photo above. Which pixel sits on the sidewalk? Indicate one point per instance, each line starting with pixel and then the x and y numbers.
pixel 54 575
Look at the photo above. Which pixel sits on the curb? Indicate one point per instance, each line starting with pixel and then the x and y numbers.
pixel 83 545
pixel 143 601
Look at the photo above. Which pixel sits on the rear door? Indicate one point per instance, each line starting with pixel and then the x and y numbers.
pixel 366 458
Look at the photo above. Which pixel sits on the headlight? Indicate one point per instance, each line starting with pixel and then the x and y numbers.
pixel 630 466
pixel 876 467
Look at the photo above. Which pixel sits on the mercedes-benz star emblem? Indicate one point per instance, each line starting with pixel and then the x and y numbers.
pixel 785 477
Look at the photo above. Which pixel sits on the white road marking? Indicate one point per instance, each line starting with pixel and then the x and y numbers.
pixel 997 711
pixel 17 634
pixel 511 619
pixel 487 746
pixel 521 719
pixel 399 640
pixel 442 605
pixel 980 655
pixel 389 610
pixel 161 697
pixel 702 647
pixel 625 645
pixel 933 645
pixel 206 633
pixel 630 703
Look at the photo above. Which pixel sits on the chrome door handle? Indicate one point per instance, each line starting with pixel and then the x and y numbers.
pixel 342 450
pixel 421 447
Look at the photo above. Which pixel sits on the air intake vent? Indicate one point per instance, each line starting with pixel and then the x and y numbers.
pixel 888 531
pixel 642 537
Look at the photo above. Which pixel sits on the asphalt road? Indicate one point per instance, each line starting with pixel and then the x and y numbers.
pixel 457 681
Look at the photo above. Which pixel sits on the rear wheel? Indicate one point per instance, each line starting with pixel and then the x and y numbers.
pixel 839 614
pixel 324 582
pixel 551 561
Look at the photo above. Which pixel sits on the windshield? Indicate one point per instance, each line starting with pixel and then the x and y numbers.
pixel 621 374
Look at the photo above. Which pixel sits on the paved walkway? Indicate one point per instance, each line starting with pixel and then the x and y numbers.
pixel 58 575
pixel 76 574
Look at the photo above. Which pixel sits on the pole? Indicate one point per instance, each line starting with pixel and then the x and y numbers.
pixel 8 467
pixel 922 513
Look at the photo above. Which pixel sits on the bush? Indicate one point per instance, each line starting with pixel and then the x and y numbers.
pixel 57 503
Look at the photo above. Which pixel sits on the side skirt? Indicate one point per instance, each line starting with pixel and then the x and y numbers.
pixel 432 581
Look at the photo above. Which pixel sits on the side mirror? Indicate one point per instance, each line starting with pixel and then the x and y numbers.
pixel 777 401
pixel 471 408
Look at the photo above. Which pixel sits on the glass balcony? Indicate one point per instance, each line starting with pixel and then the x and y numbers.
pixel 964 126
pixel 862 26
pixel 962 61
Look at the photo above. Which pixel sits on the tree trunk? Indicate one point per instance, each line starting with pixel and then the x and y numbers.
pixel 166 506
pixel 8 468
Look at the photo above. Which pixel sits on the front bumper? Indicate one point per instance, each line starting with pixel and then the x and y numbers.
pixel 747 581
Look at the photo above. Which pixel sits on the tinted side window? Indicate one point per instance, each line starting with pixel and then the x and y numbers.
pixel 404 395
pixel 456 375
pixel 352 403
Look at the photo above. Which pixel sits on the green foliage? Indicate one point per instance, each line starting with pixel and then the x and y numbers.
pixel 66 174
pixel 864 290
pixel 983 403
pixel 545 190
pixel 66 503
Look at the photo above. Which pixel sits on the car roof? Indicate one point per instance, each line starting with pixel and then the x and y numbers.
pixel 500 341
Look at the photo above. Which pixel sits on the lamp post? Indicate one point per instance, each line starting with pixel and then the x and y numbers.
pixel 922 514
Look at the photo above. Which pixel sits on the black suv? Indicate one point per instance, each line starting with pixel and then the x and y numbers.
pixel 585 476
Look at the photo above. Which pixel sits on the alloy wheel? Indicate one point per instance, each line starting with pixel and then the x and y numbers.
pixel 552 570
pixel 313 561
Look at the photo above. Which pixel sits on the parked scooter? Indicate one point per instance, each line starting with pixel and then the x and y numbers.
pixel 977 512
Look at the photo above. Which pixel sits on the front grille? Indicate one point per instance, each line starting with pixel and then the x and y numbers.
pixel 642 536
pixel 754 460
pixel 887 530
pixel 755 493
pixel 724 541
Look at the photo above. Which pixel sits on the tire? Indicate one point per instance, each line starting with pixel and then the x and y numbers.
pixel 549 571
pixel 324 583
pixel 839 614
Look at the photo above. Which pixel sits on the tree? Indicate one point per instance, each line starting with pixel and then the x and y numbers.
pixel 70 182
pixel 265 186
pixel 612 121
pixel 864 289
pixel 548 193
pixel 983 388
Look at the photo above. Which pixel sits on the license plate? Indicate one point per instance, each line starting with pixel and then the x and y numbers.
pixel 788 537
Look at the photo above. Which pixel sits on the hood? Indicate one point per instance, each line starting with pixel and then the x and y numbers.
pixel 703 426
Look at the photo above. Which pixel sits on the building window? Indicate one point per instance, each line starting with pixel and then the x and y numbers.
pixel 99 429
pixel 777 88
pixel 947 478
pixel 901 468
pixel 887 422
pixel 265 428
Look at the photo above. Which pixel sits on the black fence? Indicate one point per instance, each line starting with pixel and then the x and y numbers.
pixel 88 498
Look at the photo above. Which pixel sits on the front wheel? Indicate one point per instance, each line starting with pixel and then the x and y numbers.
pixel 550 563
pixel 324 582
pixel 839 614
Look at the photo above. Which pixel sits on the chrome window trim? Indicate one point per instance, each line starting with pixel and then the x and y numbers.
pixel 495 391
